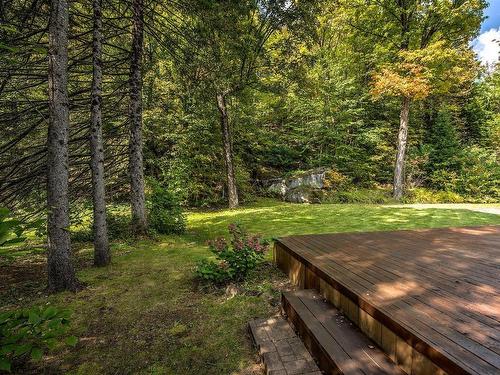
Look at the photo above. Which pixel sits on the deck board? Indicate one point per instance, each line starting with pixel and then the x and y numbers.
pixel 440 286
pixel 346 349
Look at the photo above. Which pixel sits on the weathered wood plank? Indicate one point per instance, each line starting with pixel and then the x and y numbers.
pixel 369 359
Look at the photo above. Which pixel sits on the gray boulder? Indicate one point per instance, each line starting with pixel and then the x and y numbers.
pixel 313 179
pixel 278 188
pixel 304 187
pixel 298 196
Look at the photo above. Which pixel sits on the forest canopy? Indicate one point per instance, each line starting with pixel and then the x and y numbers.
pixel 238 92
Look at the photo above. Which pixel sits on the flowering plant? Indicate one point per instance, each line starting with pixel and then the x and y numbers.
pixel 234 259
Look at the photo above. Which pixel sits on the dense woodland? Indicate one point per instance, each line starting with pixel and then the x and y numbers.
pixel 107 101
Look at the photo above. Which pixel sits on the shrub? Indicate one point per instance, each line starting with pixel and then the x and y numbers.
pixel 82 235
pixel 360 196
pixel 443 179
pixel 118 225
pixel 422 195
pixel 234 260
pixel 165 213
pixel 335 180
pixel 480 175
pixel 28 333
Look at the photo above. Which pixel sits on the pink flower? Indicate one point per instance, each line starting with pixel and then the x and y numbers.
pixel 238 245
pixel 218 244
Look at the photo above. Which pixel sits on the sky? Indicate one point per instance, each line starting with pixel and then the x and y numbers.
pixel 486 45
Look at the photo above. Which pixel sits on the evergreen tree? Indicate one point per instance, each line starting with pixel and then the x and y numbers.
pixel 445 154
pixel 61 274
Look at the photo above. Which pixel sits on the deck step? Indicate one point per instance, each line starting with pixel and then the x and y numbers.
pixel 338 346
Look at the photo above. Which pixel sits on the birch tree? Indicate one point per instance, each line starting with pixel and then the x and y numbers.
pixel 411 37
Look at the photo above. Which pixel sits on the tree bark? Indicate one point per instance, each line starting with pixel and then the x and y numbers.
pixel 61 274
pixel 136 168
pixel 232 191
pixel 102 255
pixel 399 168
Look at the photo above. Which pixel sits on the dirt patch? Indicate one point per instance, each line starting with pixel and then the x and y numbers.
pixel 21 282
pixel 24 277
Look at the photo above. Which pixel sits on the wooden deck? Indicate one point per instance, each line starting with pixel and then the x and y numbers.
pixel 429 298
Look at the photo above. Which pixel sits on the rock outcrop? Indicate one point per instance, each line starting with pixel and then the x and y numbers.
pixel 303 187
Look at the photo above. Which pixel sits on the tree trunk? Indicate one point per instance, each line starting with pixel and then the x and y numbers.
pixel 61 274
pixel 232 191
pixel 136 168
pixel 102 256
pixel 399 168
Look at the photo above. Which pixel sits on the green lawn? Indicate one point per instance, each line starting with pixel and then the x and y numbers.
pixel 145 314
pixel 274 219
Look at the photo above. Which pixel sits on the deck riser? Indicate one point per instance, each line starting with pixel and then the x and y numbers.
pixel 324 361
pixel 409 354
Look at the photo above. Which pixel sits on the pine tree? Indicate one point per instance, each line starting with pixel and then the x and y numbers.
pixel 444 157
pixel 61 274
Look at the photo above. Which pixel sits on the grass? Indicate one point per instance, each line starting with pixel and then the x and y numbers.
pixel 144 314
pixel 274 219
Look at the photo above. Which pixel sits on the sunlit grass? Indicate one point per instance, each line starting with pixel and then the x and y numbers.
pixel 281 219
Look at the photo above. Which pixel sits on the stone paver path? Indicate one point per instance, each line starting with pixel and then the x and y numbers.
pixel 281 350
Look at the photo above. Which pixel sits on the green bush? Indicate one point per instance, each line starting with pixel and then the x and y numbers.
pixel 335 180
pixel 233 261
pixel 216 273
pixel 476 180
pixel 30 332
pixel 444 180
pixel 118 223
pixel 422 195
pixel 165 212
pixel 480 175
pixel 82 235
pixel 362 196
pixel 118 226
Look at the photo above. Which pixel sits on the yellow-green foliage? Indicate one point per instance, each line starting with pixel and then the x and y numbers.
pixel 335 180
pixel 360 195
pixel 421 195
